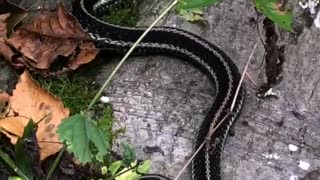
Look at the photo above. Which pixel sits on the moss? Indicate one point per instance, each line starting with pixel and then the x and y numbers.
pixel 127 16
pixel 76 93
pixel 105 122
pixel 104 119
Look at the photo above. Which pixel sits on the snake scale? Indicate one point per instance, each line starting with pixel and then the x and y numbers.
pixel 184 45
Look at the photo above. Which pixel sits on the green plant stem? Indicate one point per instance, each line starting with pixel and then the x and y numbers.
pixel 13 166
pixel 129 53
pixel 56 162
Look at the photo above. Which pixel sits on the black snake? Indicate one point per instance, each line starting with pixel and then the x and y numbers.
pixel 186 46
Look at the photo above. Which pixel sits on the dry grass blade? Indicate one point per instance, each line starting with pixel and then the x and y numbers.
pixel 242 77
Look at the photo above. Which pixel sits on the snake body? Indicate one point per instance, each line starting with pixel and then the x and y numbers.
pixel 182 44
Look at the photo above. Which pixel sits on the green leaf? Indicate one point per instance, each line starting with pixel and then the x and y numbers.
pixel 114 167
pixel 78 131
pixel 26 151
pixel 128 154
pixel 144 167
pixel 132 174
pixel 191 4
pixel 270 8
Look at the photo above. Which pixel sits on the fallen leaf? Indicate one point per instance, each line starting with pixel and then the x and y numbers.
pixel 41 51
pixel 87 53
pixel 7 23
pixel 13 127
pixel 5 50
pixel 3 24
pixel 30 101
pixel 4 97
pixel 51 35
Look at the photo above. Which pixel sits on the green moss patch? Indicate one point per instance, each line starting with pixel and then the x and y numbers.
pixel 126 16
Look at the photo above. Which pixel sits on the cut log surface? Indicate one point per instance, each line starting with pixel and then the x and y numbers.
pixel 161 101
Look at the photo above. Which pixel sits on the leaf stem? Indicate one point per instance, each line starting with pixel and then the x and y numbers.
pixel 56 162
pixel 106 83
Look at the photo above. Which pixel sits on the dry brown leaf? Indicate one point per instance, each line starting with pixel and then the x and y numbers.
pixel 13 126
pixel 5 50
pixel 41 51
pixel 3 24
pixel 7 23
pixel 87 53
pixel 58 24
pixel 29 100
pixel 50 35
pixel 4 97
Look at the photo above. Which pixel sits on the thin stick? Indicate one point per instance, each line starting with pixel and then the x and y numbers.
pixel 129 53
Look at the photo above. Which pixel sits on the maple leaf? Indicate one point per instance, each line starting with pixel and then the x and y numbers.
pixel 77 132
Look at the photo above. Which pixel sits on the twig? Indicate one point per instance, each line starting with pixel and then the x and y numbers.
pixel 224 118
pixel 129 53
